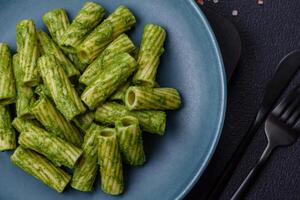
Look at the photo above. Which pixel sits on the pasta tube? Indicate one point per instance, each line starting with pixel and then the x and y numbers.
pixel 110 162
pixel 86 20
pixel 121 44
pixel 7 133
pixel 130 140
pixel 42 169
pixel 45 112
pixel 85 170
pixel 7 82
pixel 109 80
pixel 57 22
pixel 150 121
pixel 55 149
pixel 27 45
pixel 49 47
pixel 27 125
pixel 117 23
pixel 63 93
pixel 150 51
pixel 25 96
pixel 144 98
pixel 84 121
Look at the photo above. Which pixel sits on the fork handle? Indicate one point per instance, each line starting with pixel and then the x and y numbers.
pixel 252 174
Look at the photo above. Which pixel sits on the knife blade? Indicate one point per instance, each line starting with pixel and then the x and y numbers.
pixel 285 71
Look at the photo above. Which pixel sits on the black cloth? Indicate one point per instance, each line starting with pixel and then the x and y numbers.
pixel 268 32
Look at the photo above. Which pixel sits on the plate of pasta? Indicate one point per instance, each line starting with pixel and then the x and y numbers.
pixel 107 99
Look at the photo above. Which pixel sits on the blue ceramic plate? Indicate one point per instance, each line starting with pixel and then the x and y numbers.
pixel 191 63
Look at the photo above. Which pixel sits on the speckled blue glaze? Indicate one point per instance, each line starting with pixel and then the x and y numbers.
pixel 191 63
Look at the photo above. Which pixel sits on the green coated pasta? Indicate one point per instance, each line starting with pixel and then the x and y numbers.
pixel 7 133
pixel 27 46
pixel 49 47
pixel 145 98
pixel 150 121
pixel 84 121
pixel 121 44
pixel 150 51
pixel 42 90
pixel 130 140
pixel 27 125
pixel 109 159
pixel 119 95
pixel 54 148
pixel 57 22
pixel 85 170
pixel 42 169
pixel 45 112
pixel 25 95
pixel 109 80
pixel 86 20
pixel 117 23
pixel 7 82
pixel 63 93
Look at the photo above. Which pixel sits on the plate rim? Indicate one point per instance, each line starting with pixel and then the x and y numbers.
pixel 220 124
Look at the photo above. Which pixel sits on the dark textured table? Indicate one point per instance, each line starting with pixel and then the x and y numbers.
pixel 268 32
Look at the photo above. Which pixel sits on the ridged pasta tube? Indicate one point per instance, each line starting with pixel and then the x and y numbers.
pixel 109 80
pixel 117 23
pixel 150 121
pixel 45 112
pixel 27 45
pixel 86 20
pixel 109 158
pixel 150 51
pixel 49 47
pixel 7 82
pixel 145 98
pixel 85 170
pixel 130 140
pixel 121 44
pixel 84 121
pixel 7 133
pixel 57 22
pixel 63 93
pixel 27 125
pixel 42 169
pixel 25 96
pixel 54 148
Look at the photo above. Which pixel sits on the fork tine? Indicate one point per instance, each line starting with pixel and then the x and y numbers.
pixel 277 111
pixel 291 109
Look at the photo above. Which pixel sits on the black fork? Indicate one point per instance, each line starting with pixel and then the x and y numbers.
pixel 282 128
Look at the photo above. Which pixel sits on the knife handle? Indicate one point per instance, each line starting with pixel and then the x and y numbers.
pixel 226 174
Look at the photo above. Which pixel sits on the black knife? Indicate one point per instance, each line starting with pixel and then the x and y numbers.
pixel 286 70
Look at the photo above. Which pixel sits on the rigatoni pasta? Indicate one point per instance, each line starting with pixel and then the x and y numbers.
pixel 60 87
pixel 130 140
pixel 27 47
pixel 7 81
pixel 57 22
pixel 45 112
pixel 41 168
pixel 49 47
pixel 87 18
pixel 54 148
pixel 7 133
pixel 117 23
pixel 145 98
pixel 150 121
pixel 109 80
pixel 109 159
pixel 85 170
pixel 121 44
pixel 149 53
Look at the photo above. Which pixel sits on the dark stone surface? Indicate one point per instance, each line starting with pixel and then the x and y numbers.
pixel 268 33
